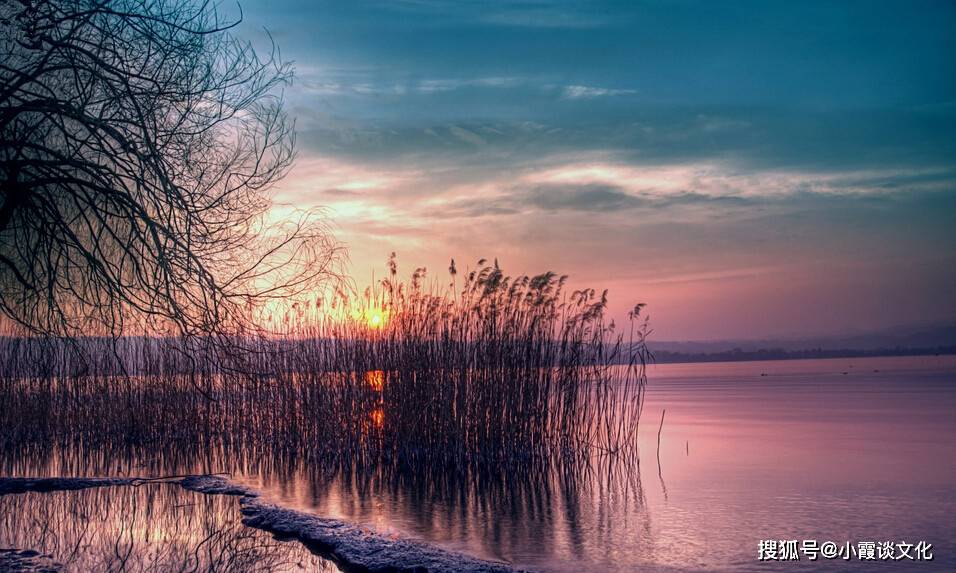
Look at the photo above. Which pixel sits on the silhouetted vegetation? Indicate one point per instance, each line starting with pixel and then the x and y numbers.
pixel 495 369
pixel 138 142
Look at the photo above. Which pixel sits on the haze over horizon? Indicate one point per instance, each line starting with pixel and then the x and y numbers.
pixel 749 171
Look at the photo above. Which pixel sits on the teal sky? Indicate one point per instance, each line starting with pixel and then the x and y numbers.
pixel 748 169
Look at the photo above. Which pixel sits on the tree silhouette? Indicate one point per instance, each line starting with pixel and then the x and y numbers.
pixel 139 140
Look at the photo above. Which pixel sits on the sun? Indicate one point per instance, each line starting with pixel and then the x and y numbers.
pixel 376 319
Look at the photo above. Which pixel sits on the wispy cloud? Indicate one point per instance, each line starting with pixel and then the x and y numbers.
pixel 723 179
pixel 378 82
pixel 510 13
pixel 590 92
pixel 451 84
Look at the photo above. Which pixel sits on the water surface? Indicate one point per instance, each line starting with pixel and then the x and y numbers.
pixel 827 450
pixel 159 527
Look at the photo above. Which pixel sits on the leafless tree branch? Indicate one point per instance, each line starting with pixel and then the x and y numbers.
pixel 139 141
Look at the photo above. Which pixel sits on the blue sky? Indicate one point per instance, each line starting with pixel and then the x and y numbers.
pixel 748 169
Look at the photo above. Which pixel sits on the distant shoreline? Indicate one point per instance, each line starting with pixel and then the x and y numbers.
pixel 740 355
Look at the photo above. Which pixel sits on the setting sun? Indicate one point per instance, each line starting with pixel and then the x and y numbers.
pixel 376 319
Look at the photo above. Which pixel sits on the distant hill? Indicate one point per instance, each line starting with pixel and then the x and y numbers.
pixel 899 341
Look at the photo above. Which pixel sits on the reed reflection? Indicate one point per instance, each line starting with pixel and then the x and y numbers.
pixel 574 510
pixel 155 527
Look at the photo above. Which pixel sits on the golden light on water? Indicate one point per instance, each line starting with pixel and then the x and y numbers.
pixel 375 379
pixel 377 417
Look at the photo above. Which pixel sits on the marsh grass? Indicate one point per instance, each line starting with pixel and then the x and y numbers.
pixel 482 369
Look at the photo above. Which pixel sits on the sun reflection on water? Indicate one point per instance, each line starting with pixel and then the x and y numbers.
pixel 375 379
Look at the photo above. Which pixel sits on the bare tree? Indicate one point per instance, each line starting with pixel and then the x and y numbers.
pixel 138 142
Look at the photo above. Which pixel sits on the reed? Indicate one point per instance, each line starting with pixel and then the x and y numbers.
pixel 480 369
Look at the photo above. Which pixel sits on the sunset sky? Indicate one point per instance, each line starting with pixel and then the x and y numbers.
pixel 748 169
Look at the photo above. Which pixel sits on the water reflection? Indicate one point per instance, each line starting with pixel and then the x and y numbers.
pixel 793 450
pixel 558 511
pixel 506 512
pixel 374 379
pixel 155 527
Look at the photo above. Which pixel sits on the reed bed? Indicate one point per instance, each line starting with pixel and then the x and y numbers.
pixel 479 369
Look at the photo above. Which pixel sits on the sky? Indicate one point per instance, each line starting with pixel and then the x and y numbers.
pixel 747 169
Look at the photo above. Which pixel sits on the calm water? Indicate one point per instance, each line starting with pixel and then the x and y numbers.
pixel 155 527
pixel 749 451
pixel 828 450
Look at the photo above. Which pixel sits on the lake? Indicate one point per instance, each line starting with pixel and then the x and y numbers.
pixel 837 450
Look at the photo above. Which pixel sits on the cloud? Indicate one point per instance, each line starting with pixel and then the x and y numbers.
pixel 600 184
pixel 521 127
pixel 466 135
pixel 587 197
pixel 591 92
pixel 484 182
pixel 540 198
pixel 429 86
pixel 695 181
pixel 509 13
pixel 344 82
pixel 337 192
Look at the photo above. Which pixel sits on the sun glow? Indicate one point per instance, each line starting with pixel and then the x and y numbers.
pixel 375 319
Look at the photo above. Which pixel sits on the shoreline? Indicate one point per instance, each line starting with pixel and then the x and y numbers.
pixel 349 546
